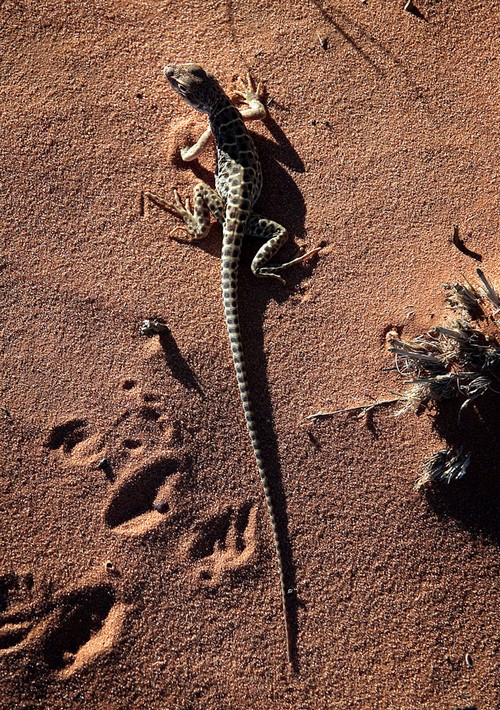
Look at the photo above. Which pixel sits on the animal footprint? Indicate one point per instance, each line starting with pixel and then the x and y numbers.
pixel 17 603
pixel 73 444
pixel 86 624
pixel 225 543
pixel 143 498
pixel 13 635
pixel 20 603
pixel 141 427
pixel 67 435
pixel 66 631
pixel 14 588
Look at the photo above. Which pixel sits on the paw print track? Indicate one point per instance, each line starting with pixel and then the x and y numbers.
pixel 225 543
pixel 12 635
pixel 67 435
pixel 86 625
pixel 14 588
pixel 63 632
pixel 16 625
pixel 142 499
pixel 133 453
pixel 139 430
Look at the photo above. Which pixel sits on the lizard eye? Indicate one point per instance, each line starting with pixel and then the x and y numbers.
pixel 177 85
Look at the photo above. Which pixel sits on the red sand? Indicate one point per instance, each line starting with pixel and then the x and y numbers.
pixel 374 147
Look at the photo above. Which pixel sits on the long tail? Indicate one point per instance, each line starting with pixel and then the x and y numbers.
pixel 230 261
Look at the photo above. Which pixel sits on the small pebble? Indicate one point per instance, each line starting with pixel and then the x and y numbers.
pixel 161 506
pixel 153 326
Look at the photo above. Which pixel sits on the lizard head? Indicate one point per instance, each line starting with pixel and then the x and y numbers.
pixel 200 89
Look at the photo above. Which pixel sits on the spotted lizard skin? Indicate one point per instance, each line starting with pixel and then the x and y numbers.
pixel 238 182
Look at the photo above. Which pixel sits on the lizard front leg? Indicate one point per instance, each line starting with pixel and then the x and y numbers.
pixel 275 235
pixel 253 111
pixel 251 94
pixel 206 201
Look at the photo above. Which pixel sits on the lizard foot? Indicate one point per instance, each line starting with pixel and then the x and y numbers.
pixel 248 91
pixel 301 256
pixel 182 230
pixel 274 272
pixel 252 97
pixel 271 272
pixel 177 208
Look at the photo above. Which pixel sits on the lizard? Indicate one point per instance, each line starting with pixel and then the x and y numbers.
pixel 238 182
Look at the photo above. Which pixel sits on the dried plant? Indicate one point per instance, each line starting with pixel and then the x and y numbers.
pixel 458 360
pixel 444 467
pixel 462 360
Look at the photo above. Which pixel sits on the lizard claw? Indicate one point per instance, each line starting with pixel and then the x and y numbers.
pixel 271 274
pixel 176 207
pixel 247 85
pixel 248 90
pixel 279 278
pixel 303 254
pixel 178 203
pixel 183 230
pixel 179 208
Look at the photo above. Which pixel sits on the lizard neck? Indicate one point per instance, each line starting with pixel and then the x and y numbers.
pixel 225 117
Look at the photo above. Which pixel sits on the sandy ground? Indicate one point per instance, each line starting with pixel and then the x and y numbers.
pixel 151 582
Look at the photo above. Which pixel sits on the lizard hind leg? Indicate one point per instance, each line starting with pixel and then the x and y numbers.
pixel 196 219
pixel 275 236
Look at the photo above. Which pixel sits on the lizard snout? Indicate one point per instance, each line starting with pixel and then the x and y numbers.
pixel 168 70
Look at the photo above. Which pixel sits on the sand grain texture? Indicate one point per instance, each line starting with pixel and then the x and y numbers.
pixel 133 452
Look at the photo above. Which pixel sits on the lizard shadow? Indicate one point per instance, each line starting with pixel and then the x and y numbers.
pixel 280 150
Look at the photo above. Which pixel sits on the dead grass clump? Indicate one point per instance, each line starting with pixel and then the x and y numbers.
pixel 460 360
